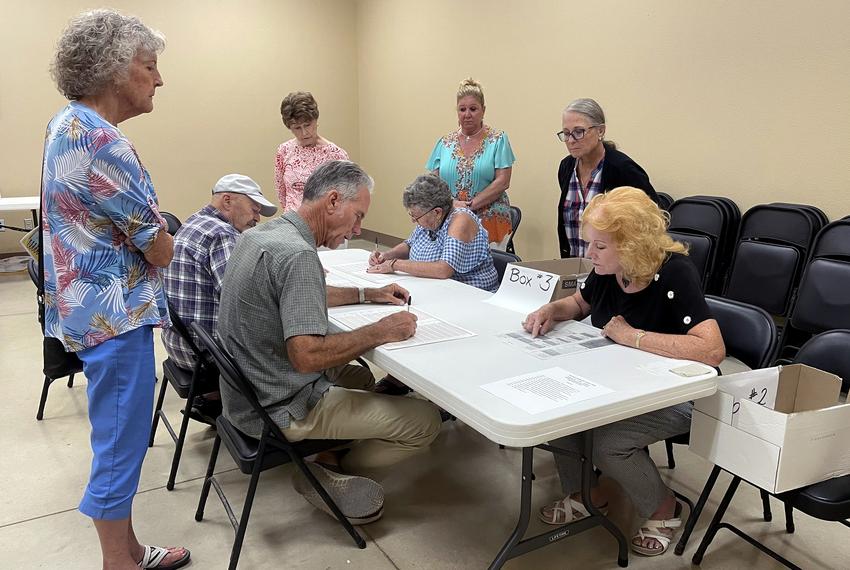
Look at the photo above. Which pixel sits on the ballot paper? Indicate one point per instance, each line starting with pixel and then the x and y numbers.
pixel 358 270
pixel 568 337
pixel 545 390
pixel 429 329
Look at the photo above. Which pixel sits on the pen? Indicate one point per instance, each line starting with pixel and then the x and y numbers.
pixel 409 300
pixel 376 244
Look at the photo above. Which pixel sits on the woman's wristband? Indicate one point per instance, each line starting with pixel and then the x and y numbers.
pixel 392 264
pixel 638 336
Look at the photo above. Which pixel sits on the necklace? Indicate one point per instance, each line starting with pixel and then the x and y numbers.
pixel 460 131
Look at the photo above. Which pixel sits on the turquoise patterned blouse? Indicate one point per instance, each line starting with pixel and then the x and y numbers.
pixel 469 175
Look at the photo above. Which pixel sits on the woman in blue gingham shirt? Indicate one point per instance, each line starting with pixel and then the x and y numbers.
pixel 447 242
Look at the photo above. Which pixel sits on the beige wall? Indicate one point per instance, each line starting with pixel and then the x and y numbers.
pixel 744 99
pixel 226 67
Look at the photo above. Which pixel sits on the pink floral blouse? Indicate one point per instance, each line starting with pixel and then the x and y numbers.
pixel 294 164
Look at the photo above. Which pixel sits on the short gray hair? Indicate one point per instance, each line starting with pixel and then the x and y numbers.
pixel 96 49
pixel 426 192
pixel 344 176
pixel 589 108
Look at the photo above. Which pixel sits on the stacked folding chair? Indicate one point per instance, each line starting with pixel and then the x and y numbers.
pixel 709 225
pixel 822 302
pixel 773 245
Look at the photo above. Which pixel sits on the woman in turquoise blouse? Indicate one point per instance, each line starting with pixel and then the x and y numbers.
pixel 476 162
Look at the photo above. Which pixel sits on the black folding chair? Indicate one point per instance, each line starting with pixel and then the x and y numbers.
pixel 253 456
pixel 774 242
pixel 828 500
pixel 823 297
pixel 187 383
pixel 699 251
pixel 174 222
pixel 68 365
pixel 749 334
pixel 516 219
pixel 501 260
pixel 664 200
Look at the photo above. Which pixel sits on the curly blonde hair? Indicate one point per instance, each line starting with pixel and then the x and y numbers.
pixel 639 229
pixel 470 87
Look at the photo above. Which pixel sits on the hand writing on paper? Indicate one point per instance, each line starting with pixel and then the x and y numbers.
pixel 540 321
pixel 397 327
pixel 392 294
pixel 620 331
pixel 376 258
pixel 385 266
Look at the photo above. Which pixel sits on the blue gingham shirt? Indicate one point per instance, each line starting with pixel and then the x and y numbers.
pixel 472 262
pixel 202 247
pixel 574 205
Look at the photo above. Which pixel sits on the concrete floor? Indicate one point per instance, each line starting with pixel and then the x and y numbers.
pixel 452 507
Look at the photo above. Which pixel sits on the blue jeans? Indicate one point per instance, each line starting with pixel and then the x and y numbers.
pixel 121 376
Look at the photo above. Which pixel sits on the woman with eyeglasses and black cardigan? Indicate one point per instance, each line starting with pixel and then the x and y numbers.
pixel 448 242
pixel 593 167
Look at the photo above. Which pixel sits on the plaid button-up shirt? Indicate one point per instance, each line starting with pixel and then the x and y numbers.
pixel 575 203
pixel 202 247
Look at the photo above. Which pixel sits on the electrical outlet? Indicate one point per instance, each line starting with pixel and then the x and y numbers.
pixel 27 223
pixel 2 223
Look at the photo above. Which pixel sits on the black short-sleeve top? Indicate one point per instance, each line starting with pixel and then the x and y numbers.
pixel 672 303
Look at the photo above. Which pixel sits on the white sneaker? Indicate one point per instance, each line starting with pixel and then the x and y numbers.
pixel 360 499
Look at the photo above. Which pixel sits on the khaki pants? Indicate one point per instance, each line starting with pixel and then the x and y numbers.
pixel 387 428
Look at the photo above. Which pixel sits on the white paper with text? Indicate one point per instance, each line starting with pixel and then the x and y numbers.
pixel 545 390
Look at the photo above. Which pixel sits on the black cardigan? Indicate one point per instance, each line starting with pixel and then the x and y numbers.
pixel 617 170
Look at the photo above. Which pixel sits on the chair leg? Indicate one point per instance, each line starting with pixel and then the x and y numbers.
pixel 671 461
pixel 691 522
pixel 156 412
pixel 715 522
pixel 71 381
pixel 765 502
pixel 246 510
pixel 181 438
pixel 789 518
pixel 40 414
pixel 299 463
pixel 205 490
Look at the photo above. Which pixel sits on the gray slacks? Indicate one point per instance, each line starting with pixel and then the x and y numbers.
pixel 618 451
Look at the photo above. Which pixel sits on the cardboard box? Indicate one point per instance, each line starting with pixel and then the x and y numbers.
pixel 569 272
pixel 798 435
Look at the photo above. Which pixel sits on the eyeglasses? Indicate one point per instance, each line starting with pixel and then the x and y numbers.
pixel 419 217
pixel 577 133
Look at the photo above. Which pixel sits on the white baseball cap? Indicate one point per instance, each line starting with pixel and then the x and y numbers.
pixel 241 184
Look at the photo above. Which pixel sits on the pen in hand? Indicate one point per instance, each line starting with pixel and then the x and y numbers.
pixel 409 300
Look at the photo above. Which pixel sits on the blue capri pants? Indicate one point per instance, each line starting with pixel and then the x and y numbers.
pixel 121 376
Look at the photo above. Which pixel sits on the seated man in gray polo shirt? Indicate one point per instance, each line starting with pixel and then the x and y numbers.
pixel 273 319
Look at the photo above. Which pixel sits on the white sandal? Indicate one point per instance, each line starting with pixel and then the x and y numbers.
pixel 154 555
pixel 650 529
pixel 557 513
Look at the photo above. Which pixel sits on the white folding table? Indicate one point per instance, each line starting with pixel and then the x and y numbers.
pixel 14 204
pixel 451 374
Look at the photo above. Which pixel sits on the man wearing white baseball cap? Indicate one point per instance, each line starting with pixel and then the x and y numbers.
pixel 202 247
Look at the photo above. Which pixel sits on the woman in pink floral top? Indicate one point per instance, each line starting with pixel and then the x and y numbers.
pixel 297 158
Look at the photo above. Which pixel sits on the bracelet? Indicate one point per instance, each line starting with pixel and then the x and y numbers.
pixel 361 294
pixel 639 335
pixel 392 264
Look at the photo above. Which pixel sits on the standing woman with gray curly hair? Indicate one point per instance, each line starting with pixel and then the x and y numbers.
pixel 104 245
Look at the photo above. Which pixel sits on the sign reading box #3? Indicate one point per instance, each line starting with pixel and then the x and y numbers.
pixel 528 285
pixel 779 428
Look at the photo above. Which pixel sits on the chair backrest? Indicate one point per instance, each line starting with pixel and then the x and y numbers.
pixel 748 331
pixel 181 329
pixel 174 222
pixel 516 219
pixel 664 200
pixel 501 260
pixel 829 352
pixel 699 250
pixel 765 274
pixel 32 269
pixel 823 299
pixel 833 241
pixel 231 373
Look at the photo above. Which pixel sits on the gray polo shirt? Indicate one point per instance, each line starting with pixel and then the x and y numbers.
pixel 273 289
